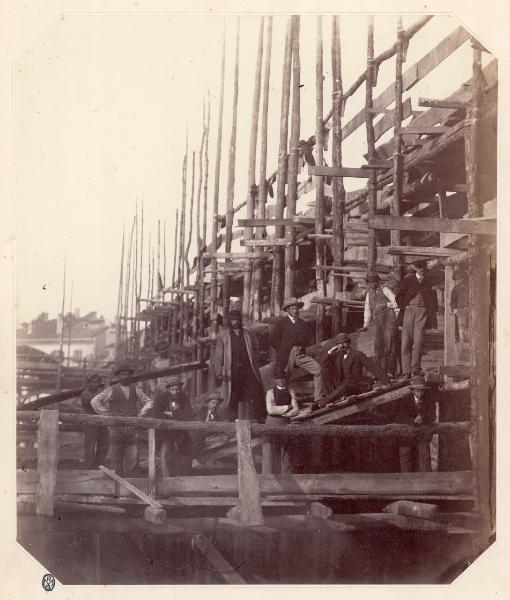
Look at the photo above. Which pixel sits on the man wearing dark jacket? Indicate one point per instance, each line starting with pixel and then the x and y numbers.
pixel 346 369
pixel 418 312
pixel 97 438
pixel 289 337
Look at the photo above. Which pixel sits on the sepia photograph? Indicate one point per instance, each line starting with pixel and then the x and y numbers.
pixel 255 299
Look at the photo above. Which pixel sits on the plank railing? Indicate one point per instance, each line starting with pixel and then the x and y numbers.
pixel 248 486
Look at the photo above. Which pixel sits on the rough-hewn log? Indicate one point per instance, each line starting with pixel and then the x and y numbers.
pixel 216 560
pixel 250 510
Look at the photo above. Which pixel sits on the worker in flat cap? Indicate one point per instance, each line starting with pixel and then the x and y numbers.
pixel 209 412
pixel 345 369
pixel 122 399
pixel 162 361
pixel 289 337
pixel 418 312
pixel 381 311
pixel 175 447
pixel 96 436
pixel 237 371
pixel 459 304
pixel 416 408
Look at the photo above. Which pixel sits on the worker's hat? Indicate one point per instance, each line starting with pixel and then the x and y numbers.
pixel 93 376
pixel 162 346
pixel 459 274
pixel 174 380
pixel 235 314
pixel 343 337
pixel 372 277
pixel 418 383
pixel 214 395
pixel 288 302
pixel 124 368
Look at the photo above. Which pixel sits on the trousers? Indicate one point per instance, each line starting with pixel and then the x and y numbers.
pixel 97 440
pixel 413 335
pixel 308 364
pixel 124 449
pixel 385 329
pixel 415 457
pixel 246 397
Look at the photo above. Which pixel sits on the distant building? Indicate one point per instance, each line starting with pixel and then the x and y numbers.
pixel 89 336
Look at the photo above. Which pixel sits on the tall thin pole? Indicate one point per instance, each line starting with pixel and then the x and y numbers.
pixel 164 253
pixel 369 121
pixel 140 262
pixel 214 277
pixel 252 163
pixel 397 153
pixel 119 299
pixel 231 173
pixel 69 330
pixel 338 190
pixel 261 205
pixel 191 206
pixel 128 280
pixel 277 275
pixel 206 170
pixel 61 347
pixel 158 270
pixel 198 223
pixel 134 305
pixel 176 246
pixel 320 274
pixel 290 251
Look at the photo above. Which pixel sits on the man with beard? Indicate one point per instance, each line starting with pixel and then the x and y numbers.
pixel 238 372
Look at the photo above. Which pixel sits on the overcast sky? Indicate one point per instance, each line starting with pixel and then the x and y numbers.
pixel 102 105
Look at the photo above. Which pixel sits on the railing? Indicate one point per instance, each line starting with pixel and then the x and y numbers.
pixel 248 490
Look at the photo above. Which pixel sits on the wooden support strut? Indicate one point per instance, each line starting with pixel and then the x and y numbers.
pixel 47 456
pixel 464 226
pixel 250 510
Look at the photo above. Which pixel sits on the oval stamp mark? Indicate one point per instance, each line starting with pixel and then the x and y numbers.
pixel 48 582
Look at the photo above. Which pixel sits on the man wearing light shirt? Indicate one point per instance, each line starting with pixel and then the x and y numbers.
pixel 381 310
pixel 122 399
pixel 289 337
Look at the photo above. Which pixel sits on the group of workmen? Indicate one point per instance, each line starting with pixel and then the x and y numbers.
pixel 337 372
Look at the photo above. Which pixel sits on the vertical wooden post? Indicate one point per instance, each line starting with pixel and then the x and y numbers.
pixel 320 274
pixel 214 262
pixel 369 120
pixel 252 162
pixel 450 351
pixel 261 204
pixel 337 184
pixel 277 274
pixel 180 321
pixel 140 275
pixel 397 140
pixel 206 170
pixel 47 458
pixel 290 236
pixel 267 457
pixel 152 461
pixel 231 174
pixel 479 283
pixel 191 206
pixel 249 491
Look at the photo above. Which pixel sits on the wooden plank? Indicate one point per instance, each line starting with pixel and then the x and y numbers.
pixel 415 484
pixel 338 172
pixel 217 560
pixel 290 222
pixel 250 509
pixel 152 461
pixel 412 75
pixel 437 130
pixel 388 121
pixel 263 243
pixel 464 226
pixel 432 103
pixel 425 251
pixel 47 458
pixel 132 488
pixel 236 255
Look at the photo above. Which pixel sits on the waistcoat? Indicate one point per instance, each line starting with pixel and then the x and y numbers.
pixel 377 300
pixel 122 406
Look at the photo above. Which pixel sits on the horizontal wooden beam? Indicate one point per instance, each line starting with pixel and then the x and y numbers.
pixel 378 164
pixel 237 255
pixel 432 103
pixel 275 222
pixel 425 251
pixel 436 130
pixel 143 423
pixel 447 483
pixel 339 172
pixel 171 290
pixel 464 226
